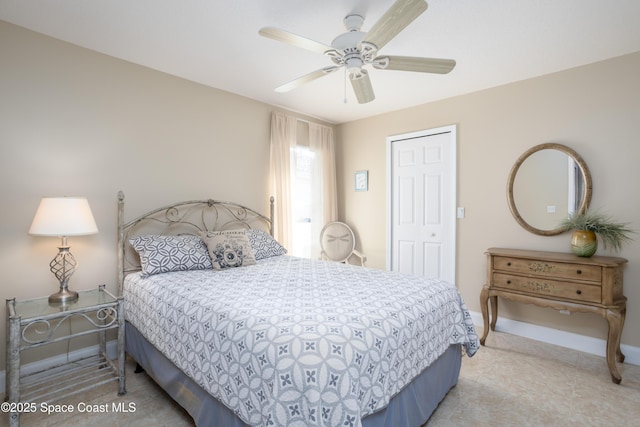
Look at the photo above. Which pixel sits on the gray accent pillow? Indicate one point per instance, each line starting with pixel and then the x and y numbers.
pixel 264 245
pixel 161 254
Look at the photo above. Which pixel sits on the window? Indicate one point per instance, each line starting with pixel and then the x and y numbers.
pixel 303 182
pixel 302 200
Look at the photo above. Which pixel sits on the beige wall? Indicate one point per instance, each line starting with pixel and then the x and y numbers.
pixel 593 109
pixel 76 122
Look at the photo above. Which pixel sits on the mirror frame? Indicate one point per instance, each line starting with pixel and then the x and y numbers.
pixel 588 185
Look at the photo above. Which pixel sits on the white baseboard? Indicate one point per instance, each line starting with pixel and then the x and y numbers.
pixel 561 338
pixel 60 359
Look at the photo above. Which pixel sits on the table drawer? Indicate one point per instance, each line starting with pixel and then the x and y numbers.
pixel 548 268
pixel 550 288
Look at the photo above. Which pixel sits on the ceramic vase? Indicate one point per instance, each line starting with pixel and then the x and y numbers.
pixel 584 243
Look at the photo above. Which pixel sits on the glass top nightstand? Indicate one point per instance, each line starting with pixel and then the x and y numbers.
pixel 36 322
pixel 43 309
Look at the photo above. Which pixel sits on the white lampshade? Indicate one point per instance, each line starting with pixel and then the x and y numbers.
pixel 63 216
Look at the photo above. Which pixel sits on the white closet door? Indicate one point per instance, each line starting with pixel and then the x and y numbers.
pixel 422 203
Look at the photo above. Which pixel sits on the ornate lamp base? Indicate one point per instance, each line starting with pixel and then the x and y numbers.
pixel 63 266
pixel 64 295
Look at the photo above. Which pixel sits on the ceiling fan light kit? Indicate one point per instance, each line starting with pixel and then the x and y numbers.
pixel 355 49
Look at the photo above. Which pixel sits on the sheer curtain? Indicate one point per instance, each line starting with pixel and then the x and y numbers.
pixel 323 182
pixel 283 140
pixel 303 182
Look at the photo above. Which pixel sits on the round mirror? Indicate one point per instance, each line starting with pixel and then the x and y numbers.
pixel 546 184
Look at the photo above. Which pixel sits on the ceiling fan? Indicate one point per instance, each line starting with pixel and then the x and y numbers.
pixel 355 49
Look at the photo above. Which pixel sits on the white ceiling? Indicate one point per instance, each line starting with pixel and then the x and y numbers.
pixel 216 43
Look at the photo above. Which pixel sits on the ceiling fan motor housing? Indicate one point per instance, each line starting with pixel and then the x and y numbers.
pixel 349 49
pixel 347 40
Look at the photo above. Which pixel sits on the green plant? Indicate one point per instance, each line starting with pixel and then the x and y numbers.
pixel 613 234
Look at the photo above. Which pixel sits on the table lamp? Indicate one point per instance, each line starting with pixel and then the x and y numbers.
pixel 63 217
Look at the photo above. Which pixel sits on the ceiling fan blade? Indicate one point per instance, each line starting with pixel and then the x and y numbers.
pixel 362 87
pixel 306 79
pixel 409 63
pixel 294 39
pixel 399 15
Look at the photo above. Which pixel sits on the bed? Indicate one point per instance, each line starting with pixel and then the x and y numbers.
pixel 256 337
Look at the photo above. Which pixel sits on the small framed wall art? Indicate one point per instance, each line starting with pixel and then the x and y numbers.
pixel 361 180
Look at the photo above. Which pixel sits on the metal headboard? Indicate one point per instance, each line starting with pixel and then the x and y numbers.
pixel 191 217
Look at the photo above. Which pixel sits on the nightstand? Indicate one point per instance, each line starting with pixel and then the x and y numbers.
pixel 35 323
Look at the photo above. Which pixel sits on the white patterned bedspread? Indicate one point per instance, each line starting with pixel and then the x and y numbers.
pixel 299 342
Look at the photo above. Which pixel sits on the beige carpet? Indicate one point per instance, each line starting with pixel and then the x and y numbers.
pixel 512 381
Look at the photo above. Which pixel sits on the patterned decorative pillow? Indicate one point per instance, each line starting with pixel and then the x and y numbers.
pixel 228 248
pixel 264 245
pixel 161 254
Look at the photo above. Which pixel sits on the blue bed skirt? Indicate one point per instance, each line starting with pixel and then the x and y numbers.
pixel 411 407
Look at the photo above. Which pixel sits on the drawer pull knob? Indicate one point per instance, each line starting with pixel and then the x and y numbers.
pixel 579 292
pixel 508 282
pixel 508 264
pixel 579 272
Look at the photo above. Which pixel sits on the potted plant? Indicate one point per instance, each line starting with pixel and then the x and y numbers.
pixel 588 226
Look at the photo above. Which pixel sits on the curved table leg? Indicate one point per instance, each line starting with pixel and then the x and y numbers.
pixel 615 320
pixel 494 311
pixel 484 300
pixel 623 314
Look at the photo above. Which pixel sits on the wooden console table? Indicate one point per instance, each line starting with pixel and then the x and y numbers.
pixel 561 281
